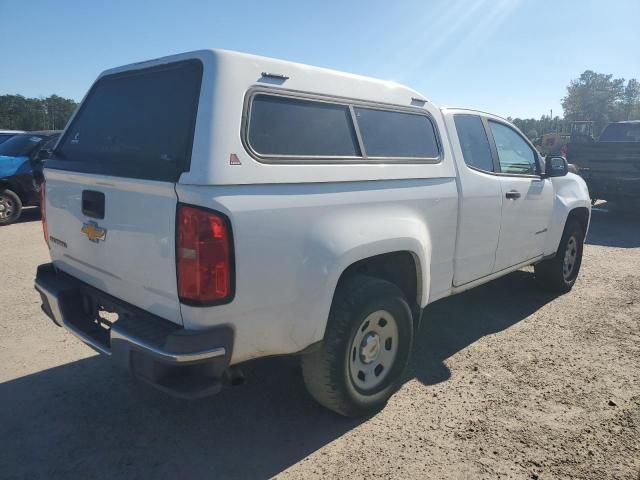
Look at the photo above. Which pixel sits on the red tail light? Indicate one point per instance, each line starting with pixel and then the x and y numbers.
pixel 204 256
pixel 43 212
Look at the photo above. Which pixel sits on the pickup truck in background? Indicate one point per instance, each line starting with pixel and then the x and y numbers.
pixel 213 207
pixel 611 165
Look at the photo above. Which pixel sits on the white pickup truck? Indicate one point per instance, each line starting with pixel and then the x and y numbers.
pixel 213 207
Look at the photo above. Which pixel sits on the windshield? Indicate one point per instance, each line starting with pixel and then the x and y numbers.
pixel 621 132
pixel 581 128
pixel 6 136
pixel 21 145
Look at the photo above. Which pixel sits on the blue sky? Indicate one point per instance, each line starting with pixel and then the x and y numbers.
pixel 510 57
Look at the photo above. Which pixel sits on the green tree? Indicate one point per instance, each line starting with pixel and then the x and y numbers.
pixel 20 113
pixel 631 100
pixel 595 96
pixel 533 128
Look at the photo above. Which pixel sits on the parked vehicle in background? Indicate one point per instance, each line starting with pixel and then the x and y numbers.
pixel 582 131
pixel 20 165
pixel 223 207
pixel 7 134
pixel 611 165
pixel 553 143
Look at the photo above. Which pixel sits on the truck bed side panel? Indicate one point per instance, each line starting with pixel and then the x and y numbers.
pixel 292 242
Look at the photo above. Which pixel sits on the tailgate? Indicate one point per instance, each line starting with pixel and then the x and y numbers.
pixel 110 200
pixel 610 160
pixel 130 253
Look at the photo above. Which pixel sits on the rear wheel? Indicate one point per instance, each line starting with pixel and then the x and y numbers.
pixel 560 272
pixel 366 348
pixel 10 207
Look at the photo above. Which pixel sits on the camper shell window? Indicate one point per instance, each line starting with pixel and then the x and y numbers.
pixel 283 128
pixel 136 124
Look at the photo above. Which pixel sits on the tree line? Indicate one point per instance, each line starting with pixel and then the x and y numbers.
pixel 22 113
pixel 593 96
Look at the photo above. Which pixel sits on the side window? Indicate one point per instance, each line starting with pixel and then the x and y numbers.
pixel 474 142
pixel 514 153
pixel 282 126
pixel 392 134
pixel 299 130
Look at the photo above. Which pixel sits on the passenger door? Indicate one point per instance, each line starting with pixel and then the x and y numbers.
pixel 480 199
pixel 527 198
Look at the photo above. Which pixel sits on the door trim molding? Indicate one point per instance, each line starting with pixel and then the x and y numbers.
pixel 494 275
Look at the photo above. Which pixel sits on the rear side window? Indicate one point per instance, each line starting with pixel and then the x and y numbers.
pixel 621 132
pixel 136 124
pixel 393 134
pixel 297 130
pixel 474 142
pixel 282 126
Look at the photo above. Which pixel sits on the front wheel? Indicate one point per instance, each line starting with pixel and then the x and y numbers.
pixel 561 272
pixel 10 207
pixel 365 350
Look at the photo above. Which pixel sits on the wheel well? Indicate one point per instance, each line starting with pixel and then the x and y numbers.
pixel 398 268
pixel 581 215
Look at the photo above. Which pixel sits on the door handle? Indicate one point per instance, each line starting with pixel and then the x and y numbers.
pixel 512 194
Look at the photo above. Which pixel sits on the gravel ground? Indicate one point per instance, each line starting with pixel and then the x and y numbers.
pixel 506 382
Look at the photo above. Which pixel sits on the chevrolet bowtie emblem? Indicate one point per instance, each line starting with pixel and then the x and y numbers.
pixel 94 232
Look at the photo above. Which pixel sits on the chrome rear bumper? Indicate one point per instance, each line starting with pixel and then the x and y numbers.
pixel 185 363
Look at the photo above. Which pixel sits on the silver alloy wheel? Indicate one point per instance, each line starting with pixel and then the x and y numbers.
pixel 570 257
pixel 373 350
pixel 6 207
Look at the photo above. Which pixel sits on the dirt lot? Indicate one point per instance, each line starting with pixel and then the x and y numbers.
pixel 506 382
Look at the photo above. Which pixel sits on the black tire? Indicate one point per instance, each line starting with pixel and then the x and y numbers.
pixel 556 275
pixel 329 373
pixel 10 206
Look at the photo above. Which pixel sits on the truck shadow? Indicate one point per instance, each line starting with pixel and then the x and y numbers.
pixel 614 229
pixel 29 214
pixel 451 324
pixel 86 420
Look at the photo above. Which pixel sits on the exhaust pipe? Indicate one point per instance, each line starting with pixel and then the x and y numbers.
pixel 234 376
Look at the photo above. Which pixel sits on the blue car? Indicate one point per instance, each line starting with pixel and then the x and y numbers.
pixel 20 164
pixel 7 134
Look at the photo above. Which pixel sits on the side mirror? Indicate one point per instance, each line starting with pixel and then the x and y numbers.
pixel 556 167
pixel 43 154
